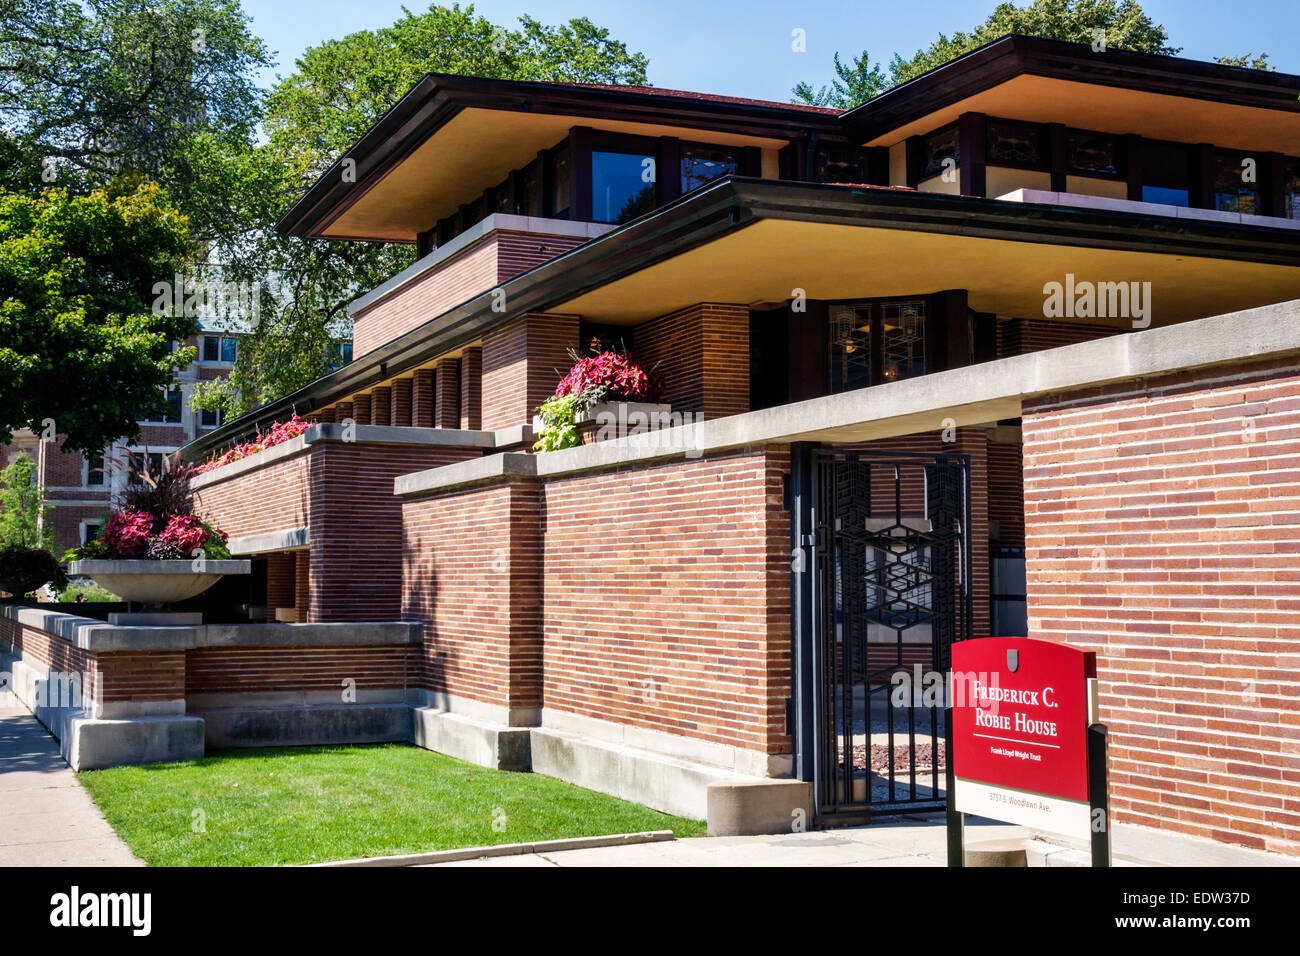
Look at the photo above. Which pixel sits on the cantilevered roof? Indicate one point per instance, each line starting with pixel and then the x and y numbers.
pixel 451 137
pixel 755 242
pixel 1114 91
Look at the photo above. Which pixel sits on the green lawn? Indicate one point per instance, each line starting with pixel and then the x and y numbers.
pixel 311 804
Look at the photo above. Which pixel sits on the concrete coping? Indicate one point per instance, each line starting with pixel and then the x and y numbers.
pixel 972 395
pixel 95 566
pixel 96 636
pixel 359 434
pixel 286 540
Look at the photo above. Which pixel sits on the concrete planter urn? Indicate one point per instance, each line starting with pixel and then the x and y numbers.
pixel 156 582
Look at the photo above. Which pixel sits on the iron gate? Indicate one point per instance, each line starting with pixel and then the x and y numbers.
pixel 891 592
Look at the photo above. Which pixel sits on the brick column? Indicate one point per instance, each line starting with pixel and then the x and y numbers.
pixel 522 364
pixel 422 391
pixel 400 410
pixel 342 410
pixel 361 409
pixel 302 584
pixel 446 407
pixel 471 388
pixel 380 403
pixel 279 581
pixel 702 353
pixel 326 415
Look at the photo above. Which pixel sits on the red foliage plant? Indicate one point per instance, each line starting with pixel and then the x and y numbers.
pixel 610 375
pixel 127 533
pixel 277 434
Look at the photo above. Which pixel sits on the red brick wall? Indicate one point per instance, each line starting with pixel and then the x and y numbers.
pixel 471 576
pixel 522 364
pixel 210 670
pixel 666 593
pixel 1006 494
pixel 701 356
pixel 499 256
pixel 273 498
pixel 141 675
pixel 50 650
pixel 1019 336
pixel 1163 532
pixel 342 491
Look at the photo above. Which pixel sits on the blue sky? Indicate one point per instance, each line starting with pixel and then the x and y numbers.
pixel 743 48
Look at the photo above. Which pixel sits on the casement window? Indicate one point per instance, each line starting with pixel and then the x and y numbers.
pixel 939 146
pixel 1091 154
pixel 1166 173
pixel 89 532
pixel 211 417
pixel 840 164
pixel 95 469
pixel 560 161
pixel 875 342
pixel 701 163
pixel 220 348
pixel 1236 187
pixel 622 185
pixel 1015 144
pixel 168 409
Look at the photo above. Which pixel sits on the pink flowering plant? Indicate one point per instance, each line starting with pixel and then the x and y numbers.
pixel 607 377
pixel 155 519
pixel 277 434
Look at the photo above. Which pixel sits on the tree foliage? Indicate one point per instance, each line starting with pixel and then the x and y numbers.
pixel 82 352
pixel 24 515
pixel 91 90
pixel 1126 26
pixel 337 92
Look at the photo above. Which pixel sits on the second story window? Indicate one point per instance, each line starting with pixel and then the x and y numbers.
pixel 1234 189
pixel 1166 173
pixel 561 163
pixel 168 410
pixel 1014 144
pixel 703 163
pixel 942 145
pixel 1291 190
pixel 152 460
pixel 95 469
pixel 219 348
pixel 622 185
pixel 876 342
pixel 1091 154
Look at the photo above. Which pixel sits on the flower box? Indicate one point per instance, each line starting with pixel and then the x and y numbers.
pixel 607 420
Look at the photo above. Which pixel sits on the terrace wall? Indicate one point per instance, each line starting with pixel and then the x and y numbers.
pixel 1162 523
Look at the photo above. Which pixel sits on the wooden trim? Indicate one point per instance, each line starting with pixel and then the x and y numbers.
pixel 1058 159
pixel 668 169
pixel 1134 160
pixel 972 153
pixel 580 139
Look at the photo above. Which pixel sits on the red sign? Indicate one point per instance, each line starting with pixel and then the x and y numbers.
pixel 1020 714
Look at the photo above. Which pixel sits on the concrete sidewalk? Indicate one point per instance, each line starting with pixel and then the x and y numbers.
pixel 46 818
pixel 900 841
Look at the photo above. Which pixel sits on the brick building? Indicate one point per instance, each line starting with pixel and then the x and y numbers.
pixel 1011 348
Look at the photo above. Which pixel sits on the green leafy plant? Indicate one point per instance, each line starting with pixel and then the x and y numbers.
pixel 24 515
pixel 89 593
pixel 559 415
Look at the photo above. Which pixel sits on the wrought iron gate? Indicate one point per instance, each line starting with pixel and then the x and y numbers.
pixel 891 592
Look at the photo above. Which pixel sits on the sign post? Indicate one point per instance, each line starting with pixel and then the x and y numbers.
pixel 1024 746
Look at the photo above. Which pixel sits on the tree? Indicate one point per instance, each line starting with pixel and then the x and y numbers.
pixel 853 85
pixel 82 351
pixel 1249 60
pixel 94 90
pixel 24 516
pixel 1126 27
pixel 338 91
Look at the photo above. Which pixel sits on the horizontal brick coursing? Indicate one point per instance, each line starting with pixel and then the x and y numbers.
pixel 470 571
pixel 211 670
pixel 501 255
pixel 1162 524
pixel 272 498
pixel 666 598
pixel 1021 336
pixel 700 355
pixel 522 362
pixel 51 651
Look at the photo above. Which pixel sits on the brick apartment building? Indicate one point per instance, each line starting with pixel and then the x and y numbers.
pixel 1011 348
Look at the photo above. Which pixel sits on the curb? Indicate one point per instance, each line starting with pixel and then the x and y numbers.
pixel 505 849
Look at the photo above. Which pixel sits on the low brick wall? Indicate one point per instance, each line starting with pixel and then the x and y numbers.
pixel 342 491
pixel 1162 524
